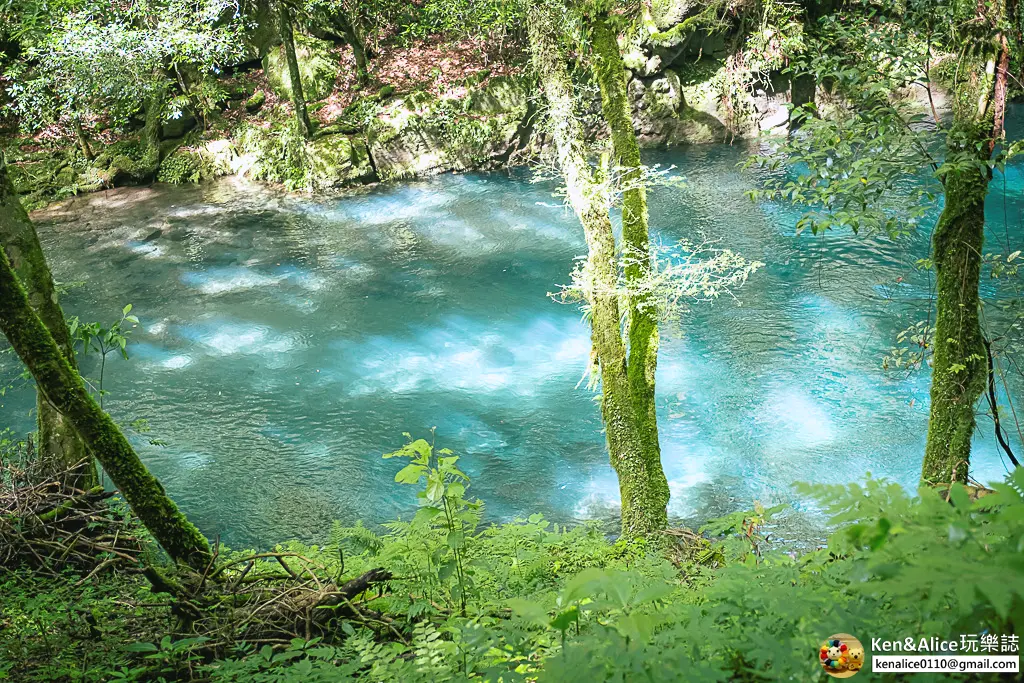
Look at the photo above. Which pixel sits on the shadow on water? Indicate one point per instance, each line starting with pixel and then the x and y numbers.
pixel 286 343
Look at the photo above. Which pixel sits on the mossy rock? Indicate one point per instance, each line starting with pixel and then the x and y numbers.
pixel 502 94
pixel 125 170
pixel 337 161
pixel 318 68
pixel 256 101
pixel 407 144
pixel 667 13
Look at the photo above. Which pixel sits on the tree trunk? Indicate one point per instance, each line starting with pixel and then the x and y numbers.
pixel 151 130
pixel 641 316
pixel 60 448
pixel 804 85
pixel 348 31
pixel 643 492
pixel 65 389
pixel 83 141
pixel 959 366
pixel 295 78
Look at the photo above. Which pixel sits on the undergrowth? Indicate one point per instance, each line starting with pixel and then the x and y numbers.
pixel 532 600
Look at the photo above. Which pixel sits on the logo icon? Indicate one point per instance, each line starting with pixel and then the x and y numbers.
pixel 841 656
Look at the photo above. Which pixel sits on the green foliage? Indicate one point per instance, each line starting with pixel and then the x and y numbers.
pixel 567 604
pixel 896 564
pixel 184 166
pixel 94 337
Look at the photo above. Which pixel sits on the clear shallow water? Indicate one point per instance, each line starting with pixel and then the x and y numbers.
pixel 286 343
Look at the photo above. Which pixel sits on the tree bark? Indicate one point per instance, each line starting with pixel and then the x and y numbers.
pixel 643 491
pixel 295 78
pixel 60 448
pixel 348 31
pixel 641 316
pixel 65 389
pixel 958 364
pixel 959 368
pixel 83 141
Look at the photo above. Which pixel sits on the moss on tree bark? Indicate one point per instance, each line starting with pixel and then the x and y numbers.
pixel 65 390
pixel 59 445
pixel 643 489
pixel 641 316
pixel 959 367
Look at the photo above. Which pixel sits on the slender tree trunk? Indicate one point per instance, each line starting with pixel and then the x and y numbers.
pixel 643 491
pixel 295 78
pixel 60 448
pixel 348 31
pixel 959 368
pixel 641 316
pixel 65 389
pixel 83 141
pixel 804 85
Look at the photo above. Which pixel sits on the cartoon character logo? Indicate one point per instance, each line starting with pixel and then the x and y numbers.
pixel 841 656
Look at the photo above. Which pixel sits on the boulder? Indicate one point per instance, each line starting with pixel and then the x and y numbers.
pixel 318 67
pixel 420 136
pixel 337 161
pixel 501 95
pixel 177 127
pixel 255 101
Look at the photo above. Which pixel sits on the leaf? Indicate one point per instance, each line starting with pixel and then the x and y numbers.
pixel 583 585
pixel 410 474
pixel 528 610
pixel 142 647
pixel 566 618
pixel 456 539
pixel 127 309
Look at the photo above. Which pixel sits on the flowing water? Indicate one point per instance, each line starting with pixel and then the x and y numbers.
pixel 286 343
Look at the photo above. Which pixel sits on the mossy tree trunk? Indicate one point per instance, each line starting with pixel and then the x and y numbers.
pixel 642 486
pixel 151 130
pixel 80 136
pixel 295 77
pixel 641 316
pixel 66 391
pixel 60 448
pixel 959 368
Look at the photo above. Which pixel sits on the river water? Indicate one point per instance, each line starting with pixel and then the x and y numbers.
pixel 286 343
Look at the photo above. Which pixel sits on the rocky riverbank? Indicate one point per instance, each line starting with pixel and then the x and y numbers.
pixel 413 120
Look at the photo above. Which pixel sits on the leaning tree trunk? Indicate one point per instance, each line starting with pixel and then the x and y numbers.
pixel 959 368
pixel 641 316
pixel 65 389
pixel 348 31
pixel 643 491
pixel 295 78
pixel 60 448
pixel 83 141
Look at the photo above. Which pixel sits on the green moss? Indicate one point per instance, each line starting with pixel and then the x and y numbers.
pixel 642 480
pixel 66 391
pixel 959 370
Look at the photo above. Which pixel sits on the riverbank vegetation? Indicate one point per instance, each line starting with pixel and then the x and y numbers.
pixel 870 112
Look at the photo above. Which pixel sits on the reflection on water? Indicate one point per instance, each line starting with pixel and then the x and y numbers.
pixel 286 343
